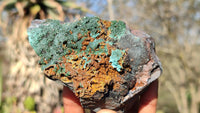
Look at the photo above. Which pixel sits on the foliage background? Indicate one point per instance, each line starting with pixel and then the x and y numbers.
pixel 174 24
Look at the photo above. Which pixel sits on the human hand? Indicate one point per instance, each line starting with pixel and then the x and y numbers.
pixel 148 101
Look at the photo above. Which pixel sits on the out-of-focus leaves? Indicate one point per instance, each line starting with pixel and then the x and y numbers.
pixel 56 6
pixel 160 111
pixel 73 5
pixel 35 9
pixel 20 8
pixel 52 14
pixel 7 4
pixel 1 81
pixel 11 100
pixel 7 105
pixel 29 103
pixel 51 4
pixel 189 98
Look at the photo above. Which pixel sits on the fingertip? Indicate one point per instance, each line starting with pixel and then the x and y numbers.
pixel 71 102
pixel 148 100
pixel 106 111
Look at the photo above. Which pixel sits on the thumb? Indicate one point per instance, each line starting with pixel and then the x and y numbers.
pixel 106 111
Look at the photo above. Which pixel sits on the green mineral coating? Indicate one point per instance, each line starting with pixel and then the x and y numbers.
pixel 55 68
pixel 86 62
pixel 67 74
pixel 93 45
pixel 81 85
pixel 118 29
pixel 94 35
pixel 105 49
pixel 49 36
pixel 109 42
pixel 115 57
pixel 101 50
pixel 61 69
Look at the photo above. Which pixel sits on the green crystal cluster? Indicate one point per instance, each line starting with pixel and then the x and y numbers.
pixel 115 57
pixel 118 29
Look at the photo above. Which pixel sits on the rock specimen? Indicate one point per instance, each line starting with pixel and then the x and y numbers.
pixel 103 62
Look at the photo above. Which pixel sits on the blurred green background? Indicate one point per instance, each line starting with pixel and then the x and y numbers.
pixel 174 24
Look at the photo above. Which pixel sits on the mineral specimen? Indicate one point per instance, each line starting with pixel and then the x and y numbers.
pixel 103 62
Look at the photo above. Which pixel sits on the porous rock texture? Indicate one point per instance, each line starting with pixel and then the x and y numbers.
pixel 103 62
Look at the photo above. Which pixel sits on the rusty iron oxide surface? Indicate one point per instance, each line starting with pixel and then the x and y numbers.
pixel 103 62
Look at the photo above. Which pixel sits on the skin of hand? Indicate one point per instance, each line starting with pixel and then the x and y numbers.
pixel 148 101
